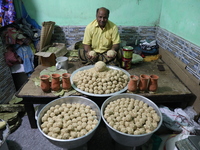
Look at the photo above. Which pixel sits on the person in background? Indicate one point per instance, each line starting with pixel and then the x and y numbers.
pixel 101 40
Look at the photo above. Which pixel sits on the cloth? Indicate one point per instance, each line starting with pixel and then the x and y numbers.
pixel 28 30
pixel 7 12
pixel 100 57
pixel 20 32
pixel 149 48
pixel 12 36
pixel 26 54
pixel 152 58
pixel 101 40
pixel 11 58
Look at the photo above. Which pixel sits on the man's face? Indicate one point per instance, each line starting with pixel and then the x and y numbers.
pixel 102 17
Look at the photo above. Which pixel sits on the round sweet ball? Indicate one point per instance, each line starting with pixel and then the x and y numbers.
pixel 92 53
pixel 100 66
pixel 111 53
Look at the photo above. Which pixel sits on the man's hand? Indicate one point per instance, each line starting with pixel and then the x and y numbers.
pixel 91 54
pixel 111 53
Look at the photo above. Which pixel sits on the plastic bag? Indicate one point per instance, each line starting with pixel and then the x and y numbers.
pixel 136 59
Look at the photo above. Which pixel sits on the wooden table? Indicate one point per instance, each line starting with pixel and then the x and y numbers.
pixel 171 91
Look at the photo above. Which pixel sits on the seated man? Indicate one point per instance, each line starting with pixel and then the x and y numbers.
pixel 101 40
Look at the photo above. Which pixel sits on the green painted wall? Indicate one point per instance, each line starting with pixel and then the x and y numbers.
pixel 78 12
pixel 182 17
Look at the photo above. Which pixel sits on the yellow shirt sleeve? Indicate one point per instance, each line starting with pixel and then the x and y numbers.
pixel 101 40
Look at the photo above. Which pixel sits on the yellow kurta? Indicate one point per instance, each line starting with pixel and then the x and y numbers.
pixel 101 40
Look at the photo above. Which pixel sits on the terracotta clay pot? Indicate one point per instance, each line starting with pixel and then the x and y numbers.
pixel 133 83
pixel 66 85
pixel 55 82
pixel 44 83
pixel 153 83
pixel 143 83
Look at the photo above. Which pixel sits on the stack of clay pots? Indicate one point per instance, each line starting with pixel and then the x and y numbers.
pixel 56 84
pixel 143 83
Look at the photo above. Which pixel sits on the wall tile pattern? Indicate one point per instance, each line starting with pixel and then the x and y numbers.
pixel 72 34
pixel 184 50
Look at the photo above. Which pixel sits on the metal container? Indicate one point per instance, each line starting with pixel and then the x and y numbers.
pixel 62 62
pixel 126 63
pixel 97 95
pixel 127 52
pixel 129 139
pixel 70 143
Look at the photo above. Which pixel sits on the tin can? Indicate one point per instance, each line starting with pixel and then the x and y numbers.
pixel 127 52
pixel 126 63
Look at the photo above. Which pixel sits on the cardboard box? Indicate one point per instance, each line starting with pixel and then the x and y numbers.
pixel 49 54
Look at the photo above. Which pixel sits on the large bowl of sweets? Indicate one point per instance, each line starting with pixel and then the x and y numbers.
pixel 131 119
pixel 100 80
pixel 69 122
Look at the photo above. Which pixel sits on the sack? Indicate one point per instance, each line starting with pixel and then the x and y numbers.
pixel 136 59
